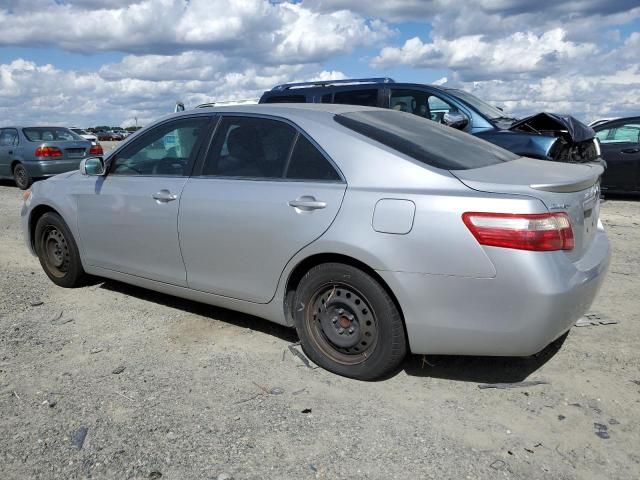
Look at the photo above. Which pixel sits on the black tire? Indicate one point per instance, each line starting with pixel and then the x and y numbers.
pixel 348 323
pixel 58 251
pixel 21 177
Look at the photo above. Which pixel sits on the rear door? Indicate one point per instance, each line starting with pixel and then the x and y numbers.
pixel 620 145
pixel 128 219
pixel 263 193
pixel 8 144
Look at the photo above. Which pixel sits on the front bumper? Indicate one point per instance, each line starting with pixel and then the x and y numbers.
pixel 48 168
pixel 534 298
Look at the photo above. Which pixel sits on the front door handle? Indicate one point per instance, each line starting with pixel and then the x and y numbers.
pixel 10 152
pixel 630 150
pixel 307 203
pixel 164 196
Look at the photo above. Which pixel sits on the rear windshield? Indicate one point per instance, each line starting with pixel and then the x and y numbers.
pixel 425 140
pixel 50 134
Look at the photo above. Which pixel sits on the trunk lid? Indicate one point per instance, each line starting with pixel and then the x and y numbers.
pixel 562 187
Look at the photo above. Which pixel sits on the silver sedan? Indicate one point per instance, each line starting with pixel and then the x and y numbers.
pixel 372 232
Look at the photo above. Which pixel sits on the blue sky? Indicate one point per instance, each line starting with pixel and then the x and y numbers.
pixel 112 61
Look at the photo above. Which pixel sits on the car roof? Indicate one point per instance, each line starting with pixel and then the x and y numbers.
pixel 599 126
pixel 291 111
pixel 353 86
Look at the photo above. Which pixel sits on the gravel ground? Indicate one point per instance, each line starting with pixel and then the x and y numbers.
pixel 111 381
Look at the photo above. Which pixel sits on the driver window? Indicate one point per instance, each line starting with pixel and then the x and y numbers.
pixel 411 101
pixel 164 151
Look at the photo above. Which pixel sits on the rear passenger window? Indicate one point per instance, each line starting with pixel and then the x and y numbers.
pixel 250 147
pixel 308 163
pixel 366 97
pixel 287 99
pixel 8 137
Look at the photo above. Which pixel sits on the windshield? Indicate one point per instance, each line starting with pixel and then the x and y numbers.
pixel 79 131
pixel 50 134
pixel 486 110
pixel 424 140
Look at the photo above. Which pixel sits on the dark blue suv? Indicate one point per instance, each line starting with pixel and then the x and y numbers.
pixel 545 136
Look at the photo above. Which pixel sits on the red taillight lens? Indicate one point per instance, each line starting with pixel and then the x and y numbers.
pixel 48 152
pixel 538 232
pixel 96 149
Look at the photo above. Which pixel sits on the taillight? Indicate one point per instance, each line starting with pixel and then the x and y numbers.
pixel 538 231
pixel 96 149
pixel 48 152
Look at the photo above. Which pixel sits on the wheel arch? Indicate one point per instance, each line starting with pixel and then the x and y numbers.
pixel 35 215
pixel 306 264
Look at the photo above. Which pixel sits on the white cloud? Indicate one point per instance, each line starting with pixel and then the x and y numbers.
pixel 524 55
pixel 31 93
pixel 257 29
pixel 474 57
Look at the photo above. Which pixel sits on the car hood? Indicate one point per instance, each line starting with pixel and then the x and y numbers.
pixel 555 124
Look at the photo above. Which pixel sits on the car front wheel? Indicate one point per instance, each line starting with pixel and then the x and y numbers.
pixel 58 252
pixel 348 323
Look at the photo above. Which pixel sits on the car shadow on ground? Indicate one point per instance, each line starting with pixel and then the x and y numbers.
pixel 214 313
pixel 450 367
pixel 480 369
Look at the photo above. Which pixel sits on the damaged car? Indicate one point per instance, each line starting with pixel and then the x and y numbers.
pixel 545 136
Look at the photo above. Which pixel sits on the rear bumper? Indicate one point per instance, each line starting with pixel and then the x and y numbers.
pixel 48 168
pixel 534 298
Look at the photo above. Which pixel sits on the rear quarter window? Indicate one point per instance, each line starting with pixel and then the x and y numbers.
pixel 425 141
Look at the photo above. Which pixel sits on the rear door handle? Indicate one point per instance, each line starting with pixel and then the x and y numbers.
pixel 630 150
pixel 164 196
pixel 10 152
pixel 307 203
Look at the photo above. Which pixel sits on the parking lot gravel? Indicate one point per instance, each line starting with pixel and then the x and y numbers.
pixel 112 381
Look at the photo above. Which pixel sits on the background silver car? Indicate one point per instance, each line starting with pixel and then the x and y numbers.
pixel 372 231
pixel 27 153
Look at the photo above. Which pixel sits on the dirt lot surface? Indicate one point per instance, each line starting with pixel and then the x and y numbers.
pixel 111 381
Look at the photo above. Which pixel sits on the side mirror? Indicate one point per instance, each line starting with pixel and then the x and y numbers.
pixel 455 119
pixel 92 166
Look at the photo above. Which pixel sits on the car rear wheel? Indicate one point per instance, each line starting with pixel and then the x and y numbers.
pixel 21 177
pixel 58 252
pixel 348 323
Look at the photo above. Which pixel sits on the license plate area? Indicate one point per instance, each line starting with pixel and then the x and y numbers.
pixel 75 152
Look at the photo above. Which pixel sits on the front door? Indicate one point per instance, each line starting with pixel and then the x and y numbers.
pixel 620 145
pixel 265 192
pixel 128 220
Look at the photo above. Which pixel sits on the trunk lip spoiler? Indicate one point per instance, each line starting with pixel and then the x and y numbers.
pixel 578 185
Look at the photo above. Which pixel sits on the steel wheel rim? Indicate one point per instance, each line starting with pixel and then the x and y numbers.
pixel 21 175
pixel 342 323
pixel 55 251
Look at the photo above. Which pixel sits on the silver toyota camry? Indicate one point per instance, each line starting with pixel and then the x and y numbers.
pixel 372 232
